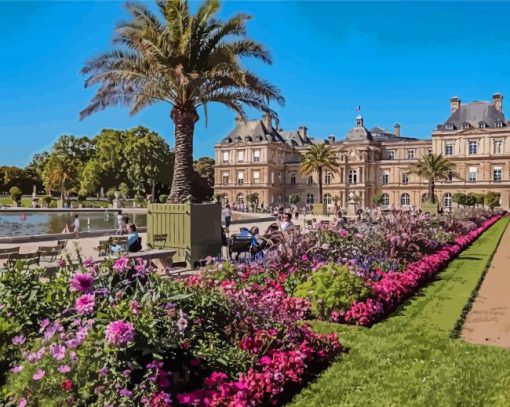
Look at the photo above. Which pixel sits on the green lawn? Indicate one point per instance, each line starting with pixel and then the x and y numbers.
pixel 409 359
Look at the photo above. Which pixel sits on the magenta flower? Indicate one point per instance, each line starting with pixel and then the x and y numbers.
pixel 61 263
pixel 39 375
pixel 64 369
pixel 121 265
pixel 120 333
pixel 17 369
pixel 85 304
pixel 89 262
pixel 18 340
pixel 82 282
pixel 22 403
pixel 58 351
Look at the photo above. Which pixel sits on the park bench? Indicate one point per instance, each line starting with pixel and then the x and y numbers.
pixel 4 255
pixel 27 259
pixel 159 241
pixel 239 245
pixel 48 254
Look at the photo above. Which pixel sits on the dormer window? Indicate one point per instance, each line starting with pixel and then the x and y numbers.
pixel 499 124
pixel 482 125
pixel 449 126
pixel 466 126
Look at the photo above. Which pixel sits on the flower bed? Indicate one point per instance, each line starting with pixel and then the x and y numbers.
pixel 118 335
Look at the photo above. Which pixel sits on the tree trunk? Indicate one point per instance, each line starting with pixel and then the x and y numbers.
pixel 432 198
pixel 153 192
pixel 184 118
pixel 319 171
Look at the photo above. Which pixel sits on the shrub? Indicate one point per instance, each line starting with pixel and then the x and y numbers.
pixel 492 199
pixel 332 288
pixel 124 189
pixel 45 199
pixel 163 198
pixel 16 194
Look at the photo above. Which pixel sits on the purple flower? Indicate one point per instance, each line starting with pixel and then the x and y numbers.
pixel 38 375
pixel 120 333
pixel 61 263
pixel 18 340
pixel 64 369
pixel 121 265
pixel 85 304
pixel 182 323
pixel 125 392
pixel 58 351
pixel 43 324
pixel 89 262
pixel 82 282
pixel 104 371
pixel 17 369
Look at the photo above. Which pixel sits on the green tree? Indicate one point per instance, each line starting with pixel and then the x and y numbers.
pixel 185 60
pixel 433 168
pixel 318 158
pixel 492 199
pixel 252 198
pixel 294 199
pixel 204 166
pixel 378 199
pixel 459 198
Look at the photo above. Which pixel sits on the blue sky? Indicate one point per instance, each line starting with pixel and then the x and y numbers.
pixel 401 62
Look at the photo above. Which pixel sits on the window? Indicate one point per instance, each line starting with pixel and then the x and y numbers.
pixel 256 156
pixel 256 177
pixel 327 199
pixel 482 125
pixel 279 177
pixel 240 177
pixel 240 156
pixel 353 177
pixel 449 126
pixel 473 147
pixel 272 177
pixel 226 155
pixel 292 178
pixel 497 174
pixel 405 199
pixel 498 147
pixel 466 126
pixel 429 151
pixel 327 177
pixel 310 180
pixel 405 179
pixel 410 154
pixel 450 176
pixel 240 198
pixel 448 149
pixel 447 200
pixel 386 177
pixel 225 178
pixel 499 124
pixel 309 198
pixel 391 154
pixel 385 199
pixel 472 174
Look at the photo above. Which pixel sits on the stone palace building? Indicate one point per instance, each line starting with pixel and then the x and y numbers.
pixel 257 158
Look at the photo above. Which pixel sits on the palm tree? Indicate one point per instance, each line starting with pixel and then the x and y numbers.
pixel 185 60
pixel 433 168
pixel 316 159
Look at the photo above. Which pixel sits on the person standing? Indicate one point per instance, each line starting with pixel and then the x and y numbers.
pixel 120 223
pixel 76 225
pixel 227 213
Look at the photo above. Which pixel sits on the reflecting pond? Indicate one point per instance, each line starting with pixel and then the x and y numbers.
pixel 40 223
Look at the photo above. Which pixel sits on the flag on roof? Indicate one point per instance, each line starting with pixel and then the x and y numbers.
pixel 358 107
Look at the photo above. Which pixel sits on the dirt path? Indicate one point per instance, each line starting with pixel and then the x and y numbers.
pixel 488 322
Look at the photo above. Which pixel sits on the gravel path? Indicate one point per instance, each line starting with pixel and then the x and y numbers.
pixel 488 322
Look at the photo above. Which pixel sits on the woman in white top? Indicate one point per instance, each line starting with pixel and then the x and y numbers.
pixel 287 224
pixel 227 213
pixel 76 225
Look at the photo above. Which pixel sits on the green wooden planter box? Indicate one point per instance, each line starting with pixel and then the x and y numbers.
pixel 429 207
pixel 193 230
pixel 319 209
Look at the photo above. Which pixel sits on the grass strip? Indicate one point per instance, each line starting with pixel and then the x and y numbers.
pixel 409 359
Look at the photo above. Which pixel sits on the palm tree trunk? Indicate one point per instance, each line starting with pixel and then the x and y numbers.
pixel 319 171
pixel 432 187
pixel 184 118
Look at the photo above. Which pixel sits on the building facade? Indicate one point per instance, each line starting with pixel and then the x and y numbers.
pixel 257 158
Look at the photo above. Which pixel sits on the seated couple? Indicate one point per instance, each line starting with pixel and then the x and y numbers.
pixel 257 242
pixel 134 242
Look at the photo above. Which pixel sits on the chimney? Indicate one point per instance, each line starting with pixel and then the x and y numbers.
pixel 397 130
pixel 302 131
pixel 266 119
pixel 497 101
pixel 454 104
pixel 331 139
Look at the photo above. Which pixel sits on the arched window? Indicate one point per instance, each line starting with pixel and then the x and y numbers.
pixel 353 177
pixel 405 179
pixel 447 200
pixel 327 177
pixel 309 198
pixel 310 180
pixel 385 199
pixel 240 198
pixel 424 198
pixel 327 199
pixel 405 199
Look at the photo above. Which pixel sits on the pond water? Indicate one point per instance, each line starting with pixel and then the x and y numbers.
pixel 40 223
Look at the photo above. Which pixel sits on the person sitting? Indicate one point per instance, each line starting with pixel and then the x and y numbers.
pixel 258 243
pixel 134 242
pixel 287 224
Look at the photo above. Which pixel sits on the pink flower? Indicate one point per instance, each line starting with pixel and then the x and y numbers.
pixel 22 403
pixel 58 351
pixel 64 369
pixel 82 282
pixel 121 265
pixel 17 369
pixel 18 340
pixel 120 333
pixel 85 304
pixel 39 375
